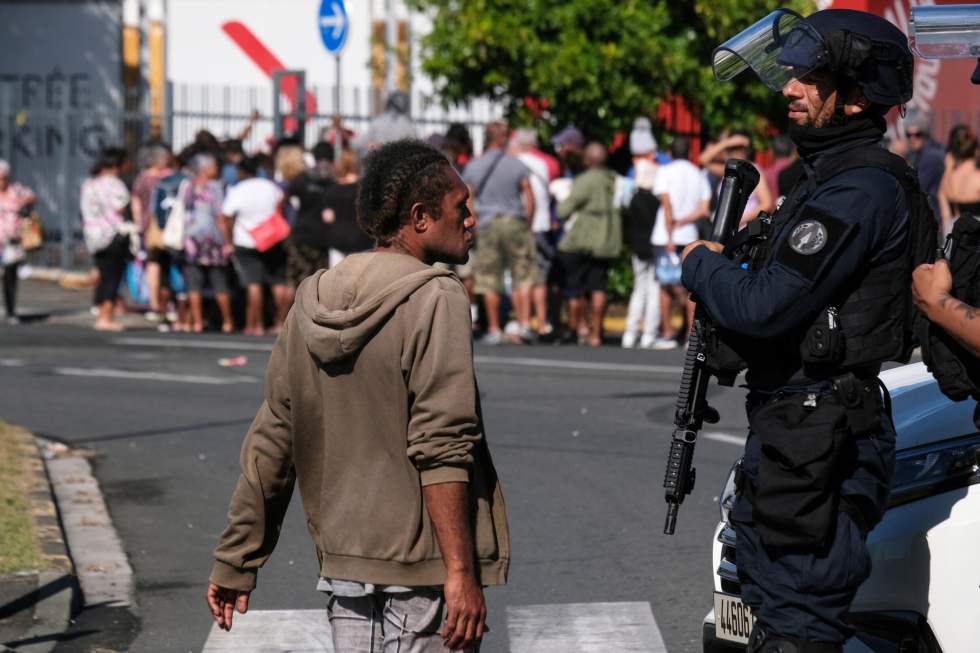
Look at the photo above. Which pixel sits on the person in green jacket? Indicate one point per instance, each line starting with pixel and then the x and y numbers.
pixel 592 242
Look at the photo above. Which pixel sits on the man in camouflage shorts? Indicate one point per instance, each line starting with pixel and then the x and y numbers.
pixel 502 198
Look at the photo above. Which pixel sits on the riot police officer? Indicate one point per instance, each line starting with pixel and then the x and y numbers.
pixel 951 32
pixel 813 316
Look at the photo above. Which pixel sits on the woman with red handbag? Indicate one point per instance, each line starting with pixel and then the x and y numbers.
pixel 252 222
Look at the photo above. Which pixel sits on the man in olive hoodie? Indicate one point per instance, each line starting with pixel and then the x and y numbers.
pixel 371 407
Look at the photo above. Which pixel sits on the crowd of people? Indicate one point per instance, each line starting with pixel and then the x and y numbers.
pixel 222 237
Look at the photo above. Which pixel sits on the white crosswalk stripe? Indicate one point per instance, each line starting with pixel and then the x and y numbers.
pixel 273 631
pixel 550 628
pixel 583 628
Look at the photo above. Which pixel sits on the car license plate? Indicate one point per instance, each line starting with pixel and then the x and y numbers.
pixel 733 619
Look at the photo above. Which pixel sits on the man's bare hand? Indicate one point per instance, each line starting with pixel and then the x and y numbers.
pixel 466 612
pixel 223 602
pixel 931 282
pixel 718 248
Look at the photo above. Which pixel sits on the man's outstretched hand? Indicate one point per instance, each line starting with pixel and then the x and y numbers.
pixel 223 603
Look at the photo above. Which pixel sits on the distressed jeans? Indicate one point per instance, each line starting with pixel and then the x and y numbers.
pixel 403 622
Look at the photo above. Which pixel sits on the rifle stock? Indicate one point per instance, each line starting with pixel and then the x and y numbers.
pixel 738 183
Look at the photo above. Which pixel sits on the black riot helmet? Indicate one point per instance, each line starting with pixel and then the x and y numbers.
pixel 853 45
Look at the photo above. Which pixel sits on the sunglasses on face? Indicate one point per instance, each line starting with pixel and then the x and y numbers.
pixel 913 134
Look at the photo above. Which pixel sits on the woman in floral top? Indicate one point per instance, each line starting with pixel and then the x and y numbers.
pixel 14 198
pixel 104 199
pixel 205 249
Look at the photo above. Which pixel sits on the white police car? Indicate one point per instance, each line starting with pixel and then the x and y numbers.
pixel 923 595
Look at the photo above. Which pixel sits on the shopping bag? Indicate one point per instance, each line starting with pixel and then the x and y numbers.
pixel 31 233
pixel 173 231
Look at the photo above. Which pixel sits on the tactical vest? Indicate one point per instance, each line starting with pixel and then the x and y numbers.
pixel 876 314
pixel 871 319
pixel 956 370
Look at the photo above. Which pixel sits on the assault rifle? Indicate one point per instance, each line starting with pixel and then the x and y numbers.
pixel 692 410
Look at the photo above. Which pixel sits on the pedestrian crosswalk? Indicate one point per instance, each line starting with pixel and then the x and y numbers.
pixel 549 628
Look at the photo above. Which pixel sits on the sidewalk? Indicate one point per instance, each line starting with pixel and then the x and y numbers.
pixel 36 605
pixel 44 300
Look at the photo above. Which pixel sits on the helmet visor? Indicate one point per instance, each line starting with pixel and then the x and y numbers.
pixel 945 31
pixel 778 48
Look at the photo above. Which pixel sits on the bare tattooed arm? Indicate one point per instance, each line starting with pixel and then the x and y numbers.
pixel 931 286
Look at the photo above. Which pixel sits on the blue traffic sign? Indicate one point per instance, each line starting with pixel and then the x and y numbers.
pixel 333 25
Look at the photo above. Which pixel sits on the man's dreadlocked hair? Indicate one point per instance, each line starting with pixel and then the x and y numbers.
pixel 396 176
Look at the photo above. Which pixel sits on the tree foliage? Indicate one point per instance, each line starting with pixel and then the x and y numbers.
pixel 595 63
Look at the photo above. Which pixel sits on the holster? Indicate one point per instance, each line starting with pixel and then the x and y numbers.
pixel 807 449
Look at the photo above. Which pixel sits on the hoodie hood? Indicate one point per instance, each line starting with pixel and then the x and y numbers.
pixel 341 309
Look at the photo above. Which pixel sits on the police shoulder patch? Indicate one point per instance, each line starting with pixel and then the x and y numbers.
pixel 808 237
pixel 813 242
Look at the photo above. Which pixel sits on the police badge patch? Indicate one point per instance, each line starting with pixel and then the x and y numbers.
pixel 813 243
pixel 808 238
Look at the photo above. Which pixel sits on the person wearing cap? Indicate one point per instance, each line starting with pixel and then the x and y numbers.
pixel 812 317
pixel 568 144
pixel 641 216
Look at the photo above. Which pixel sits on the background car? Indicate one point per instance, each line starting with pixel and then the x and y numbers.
pixel 923 592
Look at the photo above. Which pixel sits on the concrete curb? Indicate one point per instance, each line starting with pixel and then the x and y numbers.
pixel 56 579
pixel 103 570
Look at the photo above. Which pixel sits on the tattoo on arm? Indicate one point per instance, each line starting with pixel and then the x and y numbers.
pixel 969 312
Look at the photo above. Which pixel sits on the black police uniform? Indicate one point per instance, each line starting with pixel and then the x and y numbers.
pixel 806 595
pixel 837 254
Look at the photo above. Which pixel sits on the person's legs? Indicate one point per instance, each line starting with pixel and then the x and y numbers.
pixel 489 276
pixel 283 296
pixel 197 311
pixel 639 300
pixel 250 268
pixel 356 623
pixel 666 296
pixel 522 260
pixel 522 306
pixel 651 316
pixel 275 263
pixel 10 290
pixel 195 278
pixel 112 265
pixel 218 276
pixel 254 322
pixel 598 314
pixel 545 254
pixel 152 273
pixel 491 301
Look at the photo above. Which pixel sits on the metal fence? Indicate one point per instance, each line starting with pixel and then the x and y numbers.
pixel 51 151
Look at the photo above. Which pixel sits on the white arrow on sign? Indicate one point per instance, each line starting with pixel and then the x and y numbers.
pixel 337 21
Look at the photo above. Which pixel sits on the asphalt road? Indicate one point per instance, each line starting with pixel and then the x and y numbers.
pixel 578 437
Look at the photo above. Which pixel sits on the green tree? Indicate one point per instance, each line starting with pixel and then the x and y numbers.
pixel 594 63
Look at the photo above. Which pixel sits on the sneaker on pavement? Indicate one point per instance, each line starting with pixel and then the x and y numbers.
pixel 629 340
pixel 152 316
pixel 527 336
pixel 664 343
pixel 492 338
pixel 646 341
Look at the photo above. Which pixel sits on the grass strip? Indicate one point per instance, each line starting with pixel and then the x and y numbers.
pixel 18 543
